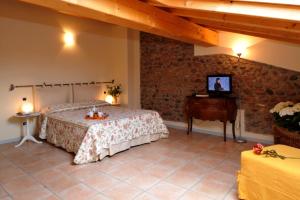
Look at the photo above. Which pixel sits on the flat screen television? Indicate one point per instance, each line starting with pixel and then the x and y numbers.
pixel 219 84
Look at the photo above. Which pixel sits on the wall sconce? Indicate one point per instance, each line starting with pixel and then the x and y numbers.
pixel 26 107
pixel 69 39
pixel 239 50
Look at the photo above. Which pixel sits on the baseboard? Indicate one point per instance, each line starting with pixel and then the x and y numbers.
pixel 10 140
pixel 254 137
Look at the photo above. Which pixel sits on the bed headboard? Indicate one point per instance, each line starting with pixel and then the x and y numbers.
pixel 86 93
pixel 51 94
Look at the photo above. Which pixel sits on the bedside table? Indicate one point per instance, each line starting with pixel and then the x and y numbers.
pixel 26 118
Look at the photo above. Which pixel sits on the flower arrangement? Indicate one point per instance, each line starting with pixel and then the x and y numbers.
pixel 114 90
pixel 287 115
pixel 258 149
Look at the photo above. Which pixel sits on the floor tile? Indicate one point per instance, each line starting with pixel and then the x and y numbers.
pixel 37 166
pixel 6 198
pixel 68 167
pixel 122 191
pixel 219 176
pixel 35 193
pixel 143 181
pixel 171 163
pixel 183 179
pixel 78 192
pixel 211 188
pixel 20 184
pixel 194 169
pixel 52 197
pixel 167 191
pixel 5 163
pixel 159 171
pixel 195 166
pixel 232 195
pixel 100 197
pixel 47 175
pixel 228 167
pixel 107 164
pixel 100 181
pixel 3 193
pixel 61 183
pixel 85 172
pixel 146 196
pixel 25 160
pixel 125 171
pixel 8 174
pixel 192 195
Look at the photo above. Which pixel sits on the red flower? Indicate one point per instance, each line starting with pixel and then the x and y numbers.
pixel 258 148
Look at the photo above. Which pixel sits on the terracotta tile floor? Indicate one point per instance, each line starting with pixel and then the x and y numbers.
pixel 185 167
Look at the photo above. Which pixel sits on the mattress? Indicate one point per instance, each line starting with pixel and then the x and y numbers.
pixel 91 140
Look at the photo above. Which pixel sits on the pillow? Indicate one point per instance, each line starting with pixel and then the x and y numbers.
pixel 73 106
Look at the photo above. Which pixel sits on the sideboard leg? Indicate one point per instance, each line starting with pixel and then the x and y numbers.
pixel 233 129
pixel 188 129
pixel 224 127
pixel 191 130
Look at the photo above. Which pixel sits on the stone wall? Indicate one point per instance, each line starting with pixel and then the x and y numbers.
pixel 170 71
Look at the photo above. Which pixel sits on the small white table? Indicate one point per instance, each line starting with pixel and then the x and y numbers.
pixel 26 118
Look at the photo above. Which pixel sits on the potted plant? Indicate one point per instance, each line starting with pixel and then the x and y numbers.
pixel 287 119
pixel 114 91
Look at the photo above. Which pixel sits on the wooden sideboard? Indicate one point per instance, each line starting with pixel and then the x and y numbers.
pixel 223 109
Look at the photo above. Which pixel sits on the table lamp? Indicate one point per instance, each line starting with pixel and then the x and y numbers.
pixel 26 107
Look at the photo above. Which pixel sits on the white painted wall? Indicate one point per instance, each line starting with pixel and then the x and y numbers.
pixel 32 52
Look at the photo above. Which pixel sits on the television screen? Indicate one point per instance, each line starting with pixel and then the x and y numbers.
pixel 219 84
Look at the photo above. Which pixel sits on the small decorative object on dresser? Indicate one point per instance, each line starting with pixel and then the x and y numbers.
pixel 211 108
pixel 287 123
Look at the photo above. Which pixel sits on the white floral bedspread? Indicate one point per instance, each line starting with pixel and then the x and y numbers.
pixel 67 128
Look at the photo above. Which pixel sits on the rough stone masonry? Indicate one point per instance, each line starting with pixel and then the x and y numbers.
pixel 170 72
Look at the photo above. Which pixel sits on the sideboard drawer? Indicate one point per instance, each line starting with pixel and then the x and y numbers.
pixel 207 104
pixel 223 109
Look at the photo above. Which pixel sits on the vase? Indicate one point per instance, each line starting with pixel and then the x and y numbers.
pixel 115 100
pixel 284 136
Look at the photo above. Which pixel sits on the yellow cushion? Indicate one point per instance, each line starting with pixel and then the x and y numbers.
pixel 262 178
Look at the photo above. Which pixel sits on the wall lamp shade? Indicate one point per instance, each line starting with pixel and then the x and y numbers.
pixel 69 39
pixel 26 107
pixel 239 49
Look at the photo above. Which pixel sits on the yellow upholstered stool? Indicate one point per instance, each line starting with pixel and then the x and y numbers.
pixel 267 178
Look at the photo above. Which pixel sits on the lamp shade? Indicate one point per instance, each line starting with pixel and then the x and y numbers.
pixel 109 99
pixel 26 107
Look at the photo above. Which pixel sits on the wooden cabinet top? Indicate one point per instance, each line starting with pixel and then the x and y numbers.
pixel 212 97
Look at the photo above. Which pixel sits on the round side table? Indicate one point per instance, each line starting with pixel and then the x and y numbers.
pixel 26 118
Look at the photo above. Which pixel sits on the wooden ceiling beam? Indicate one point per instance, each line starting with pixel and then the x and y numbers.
pixel 206 13
pixel 136 15
pixel 283 25
pixel 249 30
pixel 251 8
pixel 270 2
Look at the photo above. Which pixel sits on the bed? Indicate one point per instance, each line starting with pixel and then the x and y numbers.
pixel 65 126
